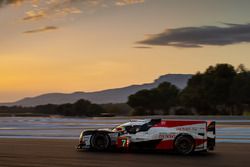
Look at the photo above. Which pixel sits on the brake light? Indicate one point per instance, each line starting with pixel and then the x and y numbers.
pixel 128 142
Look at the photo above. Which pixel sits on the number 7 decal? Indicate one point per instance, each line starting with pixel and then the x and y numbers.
pixel 124 141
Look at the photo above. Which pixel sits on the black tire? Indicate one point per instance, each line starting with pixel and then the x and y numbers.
pixel 100 142
pixel 184 144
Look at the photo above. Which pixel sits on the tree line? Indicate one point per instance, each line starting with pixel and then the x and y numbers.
pixel 220 90
pixel 80 108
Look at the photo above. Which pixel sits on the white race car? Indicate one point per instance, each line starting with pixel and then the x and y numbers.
pixel 182 136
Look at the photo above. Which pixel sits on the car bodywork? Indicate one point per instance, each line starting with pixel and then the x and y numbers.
pixel 153 134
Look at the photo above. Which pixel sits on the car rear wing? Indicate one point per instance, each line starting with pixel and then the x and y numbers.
pixel 211 134
pixel 211 127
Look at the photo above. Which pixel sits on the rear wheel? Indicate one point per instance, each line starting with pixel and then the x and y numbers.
pixel 184 144
pixel 100 142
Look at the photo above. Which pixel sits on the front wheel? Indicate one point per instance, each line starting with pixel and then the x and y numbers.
pixel 184 144
pixel 100 142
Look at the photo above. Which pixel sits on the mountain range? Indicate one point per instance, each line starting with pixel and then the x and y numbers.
pixel 117 95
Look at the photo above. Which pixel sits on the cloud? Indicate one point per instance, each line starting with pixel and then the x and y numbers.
pixel 36 10
pixel 47 8
pixel 33 15
pixel 43 29
pixel 128 2
pixel 7 2
pixel 200 36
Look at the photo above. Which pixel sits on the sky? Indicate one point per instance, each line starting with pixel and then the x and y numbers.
pixel 90 45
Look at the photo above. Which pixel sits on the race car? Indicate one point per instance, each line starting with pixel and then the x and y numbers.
pixel 181 136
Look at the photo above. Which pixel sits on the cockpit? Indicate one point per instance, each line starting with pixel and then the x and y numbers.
pixel 136 126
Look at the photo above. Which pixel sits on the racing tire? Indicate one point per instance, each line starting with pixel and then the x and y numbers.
pixel 184 144
pixel 100 142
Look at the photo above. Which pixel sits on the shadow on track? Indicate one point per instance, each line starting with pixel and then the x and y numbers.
pixel 148 153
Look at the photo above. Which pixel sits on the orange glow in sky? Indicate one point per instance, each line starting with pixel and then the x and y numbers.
pixel 68 46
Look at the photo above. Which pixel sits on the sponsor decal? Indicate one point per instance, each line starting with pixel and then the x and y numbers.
pixel 166 136
pixel 190 129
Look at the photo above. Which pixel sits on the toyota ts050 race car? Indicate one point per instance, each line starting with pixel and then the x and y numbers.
pixel 182 136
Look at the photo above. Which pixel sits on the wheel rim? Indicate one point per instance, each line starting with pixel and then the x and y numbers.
pixel 184 146
pixel 100 142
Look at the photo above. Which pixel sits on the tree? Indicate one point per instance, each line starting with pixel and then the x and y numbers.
pixel 209 92
pixel 240 92
pixel 117 108
pixel 217 82
pixel 94 110
pixel 65 109
pixel 46 109
pixel 81 107
pixel 142 99
pixel 167 96
pixel 161 98
pixel 194 94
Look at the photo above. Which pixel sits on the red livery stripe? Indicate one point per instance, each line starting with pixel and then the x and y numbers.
pixel 173 123
pixel 165 144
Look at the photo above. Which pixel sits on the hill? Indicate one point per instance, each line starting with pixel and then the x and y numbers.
pixel 117 95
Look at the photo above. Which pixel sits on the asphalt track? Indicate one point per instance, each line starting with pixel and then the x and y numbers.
pixel 61 153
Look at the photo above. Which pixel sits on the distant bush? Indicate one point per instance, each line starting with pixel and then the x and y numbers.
pixel 139 111
pixel 117 108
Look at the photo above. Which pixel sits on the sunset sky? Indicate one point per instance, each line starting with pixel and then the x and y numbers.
pixel 89 45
